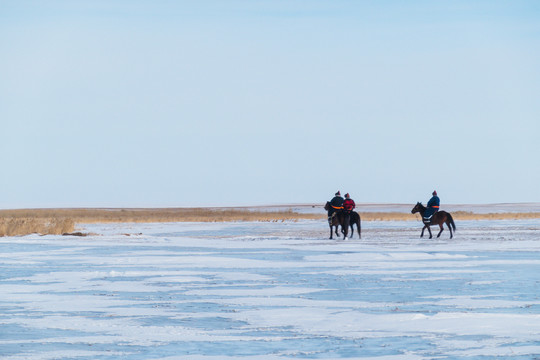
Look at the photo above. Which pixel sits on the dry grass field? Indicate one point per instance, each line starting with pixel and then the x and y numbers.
pixel 15 226
pixel 64 221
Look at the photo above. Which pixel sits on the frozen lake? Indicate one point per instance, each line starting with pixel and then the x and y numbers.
pixel 272 291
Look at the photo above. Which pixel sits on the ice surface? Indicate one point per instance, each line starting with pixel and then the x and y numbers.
pixel 269 291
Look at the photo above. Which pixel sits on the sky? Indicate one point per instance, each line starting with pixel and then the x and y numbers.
pixel 224 103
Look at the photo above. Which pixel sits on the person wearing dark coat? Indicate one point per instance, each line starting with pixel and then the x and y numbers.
pixel 335 204
pixel 349 203
pixel 432 205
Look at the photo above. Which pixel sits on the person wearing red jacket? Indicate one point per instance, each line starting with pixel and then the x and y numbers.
pixel 348 204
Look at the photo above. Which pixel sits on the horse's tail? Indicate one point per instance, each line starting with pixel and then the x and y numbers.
pixel 451 220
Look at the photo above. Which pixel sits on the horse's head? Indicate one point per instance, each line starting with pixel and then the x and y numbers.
pixel 327 206
pixel 417 208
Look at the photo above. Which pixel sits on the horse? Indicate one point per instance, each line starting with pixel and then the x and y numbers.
pixel 355 219
pixel 439 218
pixel 339 218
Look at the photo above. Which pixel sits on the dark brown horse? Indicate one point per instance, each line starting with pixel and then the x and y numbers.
pixel 355 219
pixel 339 218
pixel 439 218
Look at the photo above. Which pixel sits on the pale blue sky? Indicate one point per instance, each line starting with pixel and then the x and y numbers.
pixel 186 103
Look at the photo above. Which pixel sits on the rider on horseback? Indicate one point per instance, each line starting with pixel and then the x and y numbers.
pixel 348 204
pixel 336 204
pixel 432 206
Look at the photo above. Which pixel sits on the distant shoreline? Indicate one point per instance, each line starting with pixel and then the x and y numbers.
pixel 64 221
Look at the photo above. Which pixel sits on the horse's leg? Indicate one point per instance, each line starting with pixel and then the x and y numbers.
pixel 359 230
pixel 429 230
pixel 330 224
pixel 337 226
pixel 449 228
pixel 352 230
pixel 424 228
pixel 442 228
pixel 345 222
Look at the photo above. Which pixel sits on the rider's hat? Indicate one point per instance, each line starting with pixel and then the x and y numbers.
pixel 338 193
pixel 347 195
pixel 434 192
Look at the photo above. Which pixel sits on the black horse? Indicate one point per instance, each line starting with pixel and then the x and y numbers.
pixel 439 218
pixel 339 218
pixel 355 219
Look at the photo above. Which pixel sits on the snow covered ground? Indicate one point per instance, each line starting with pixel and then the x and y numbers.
pixel 272 291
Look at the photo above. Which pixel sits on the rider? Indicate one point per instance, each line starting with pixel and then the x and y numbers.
pixel 432 205
pixel 348 204
pixel 336 204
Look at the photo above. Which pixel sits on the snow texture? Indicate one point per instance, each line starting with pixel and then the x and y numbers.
pixel 277 290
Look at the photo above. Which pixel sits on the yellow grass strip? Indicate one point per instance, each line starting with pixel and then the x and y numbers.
pixel 466 215
pixel 157 215
pixel 61 221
